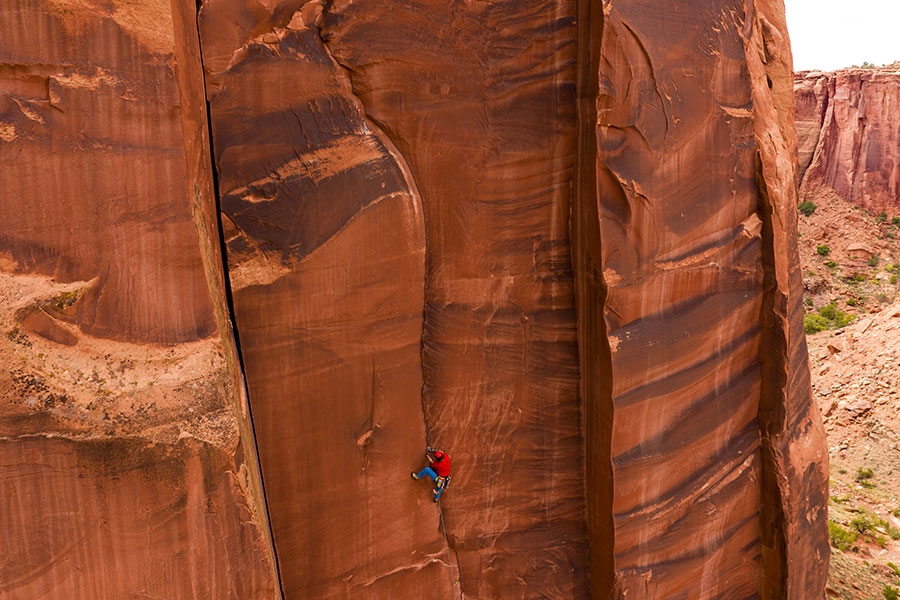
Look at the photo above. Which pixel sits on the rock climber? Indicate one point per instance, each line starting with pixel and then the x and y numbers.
pixel 438 470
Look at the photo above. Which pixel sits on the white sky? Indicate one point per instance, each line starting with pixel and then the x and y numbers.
pixel 832 34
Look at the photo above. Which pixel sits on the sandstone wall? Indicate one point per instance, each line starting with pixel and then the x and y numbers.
pixel 556 238
pixel 126 467
pixel 849 135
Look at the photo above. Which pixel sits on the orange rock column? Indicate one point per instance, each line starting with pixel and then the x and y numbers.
pixel 123 471
pixel 325 249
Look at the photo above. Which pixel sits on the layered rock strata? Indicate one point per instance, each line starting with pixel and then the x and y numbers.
pixel 325 244
pixel 849 135
pixel 555 238
pixel 122 467
pixel 693 365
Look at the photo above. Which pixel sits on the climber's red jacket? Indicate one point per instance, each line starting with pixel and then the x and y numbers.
pixel 441 467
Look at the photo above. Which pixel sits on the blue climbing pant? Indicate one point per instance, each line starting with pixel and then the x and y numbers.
pixel 439 482
pixel 427 471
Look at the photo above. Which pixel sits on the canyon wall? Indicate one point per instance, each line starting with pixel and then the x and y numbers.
pixel 848 130
pixel 258 255
pixel 126 462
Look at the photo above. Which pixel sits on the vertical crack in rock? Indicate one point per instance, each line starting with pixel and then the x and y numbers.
pixel 593 343
pixel 794 473
pixel 212 231
pixel 120 448
pixel 325 244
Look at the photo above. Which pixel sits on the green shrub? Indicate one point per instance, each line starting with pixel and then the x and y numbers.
pixel 840 537
pixel 809 301
pixel 807 207
pixel 890 592
pixel 823 250
pixel 873 260
pixel 861 524
pixel 842 319
pixel 894 568
pixel 895 221
pixel 828 311
pixel 813 323
pixel 882 217
pixel 831 264
pixel 893 279
pixel 864 473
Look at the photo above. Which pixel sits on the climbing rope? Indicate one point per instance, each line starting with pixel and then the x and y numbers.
pixel 451 556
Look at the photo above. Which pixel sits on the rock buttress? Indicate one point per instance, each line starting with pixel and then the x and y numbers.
pixel 794 481
pixel 693 364
pixel 121 463
pixel 325 251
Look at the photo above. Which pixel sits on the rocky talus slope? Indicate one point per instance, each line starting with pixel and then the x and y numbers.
pixel 255 256
pixel 851 262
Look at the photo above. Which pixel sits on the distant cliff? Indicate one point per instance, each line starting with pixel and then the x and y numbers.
pixel 848 132
pixel 254 257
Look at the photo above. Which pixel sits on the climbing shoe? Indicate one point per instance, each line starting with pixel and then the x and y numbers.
pixel 413 475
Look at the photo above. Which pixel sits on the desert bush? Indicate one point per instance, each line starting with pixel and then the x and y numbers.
pixel 829 311
pixel 823 250
pixel 862 524
pixel 840 537
pixel 864 473
pixel 894 568
pixel 873 260
pixel 890 592
pixel 813 323
pixel 807 207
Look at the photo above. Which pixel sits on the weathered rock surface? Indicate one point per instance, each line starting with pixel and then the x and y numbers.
pixel 693 356
pixel 555 238
pixel 848 127
pixel 325 242
pixel 122 471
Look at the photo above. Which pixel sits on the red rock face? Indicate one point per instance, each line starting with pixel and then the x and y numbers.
pixel 326 256
pixel 684 401
pixel 122 471
pixel 487 127
pixel 849 135
pixel 118 519
pixel 554 238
